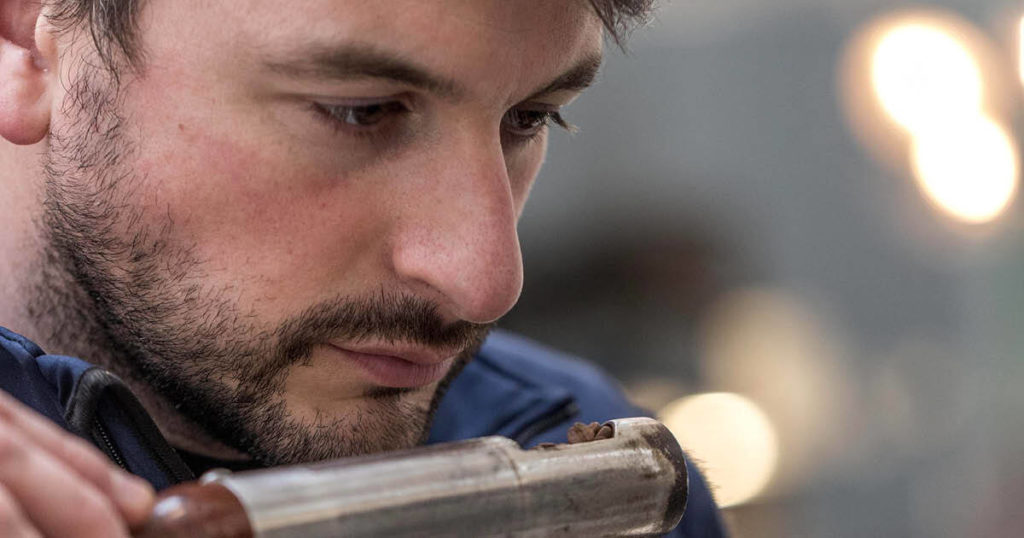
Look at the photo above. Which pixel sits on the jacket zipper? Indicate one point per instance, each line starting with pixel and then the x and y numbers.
pixel 109 445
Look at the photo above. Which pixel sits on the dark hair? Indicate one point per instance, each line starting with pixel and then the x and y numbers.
pixel 112 23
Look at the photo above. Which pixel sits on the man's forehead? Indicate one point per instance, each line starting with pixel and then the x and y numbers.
pixel 466 40
pixel 513 18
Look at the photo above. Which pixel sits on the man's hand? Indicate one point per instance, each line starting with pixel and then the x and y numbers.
pixel 55 485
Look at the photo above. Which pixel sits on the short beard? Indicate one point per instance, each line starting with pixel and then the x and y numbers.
pixel 121 293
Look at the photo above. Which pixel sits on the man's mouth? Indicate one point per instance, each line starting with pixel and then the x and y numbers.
pixel 395 366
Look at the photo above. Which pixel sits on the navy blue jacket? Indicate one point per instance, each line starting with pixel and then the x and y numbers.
pixel 514 388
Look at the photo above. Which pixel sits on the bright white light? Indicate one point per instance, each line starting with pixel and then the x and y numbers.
pixel 923 74
pixel 732 439
pixel 969 169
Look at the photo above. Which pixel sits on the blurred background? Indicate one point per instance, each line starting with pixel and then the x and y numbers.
pixel 791 229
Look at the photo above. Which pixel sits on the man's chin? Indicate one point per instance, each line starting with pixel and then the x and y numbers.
pixel 318 420
pixel 300 432
pixel 407 408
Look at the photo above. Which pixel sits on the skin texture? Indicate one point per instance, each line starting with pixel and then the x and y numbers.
pixel 205 230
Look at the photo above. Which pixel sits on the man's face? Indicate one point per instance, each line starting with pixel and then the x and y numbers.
pixel 299 220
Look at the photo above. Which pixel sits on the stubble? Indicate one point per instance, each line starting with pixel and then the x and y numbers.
pixel 127 294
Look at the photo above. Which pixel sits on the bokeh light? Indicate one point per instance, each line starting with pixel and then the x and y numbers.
pixel 788 353
pixel 969 168
pixel 1020 49
pixel 923 74
pixel 732 439
pixel 930 74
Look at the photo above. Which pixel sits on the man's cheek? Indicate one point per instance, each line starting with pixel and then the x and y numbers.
pixel 239 209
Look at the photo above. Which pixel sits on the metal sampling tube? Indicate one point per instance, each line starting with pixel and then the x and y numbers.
pixel 631 484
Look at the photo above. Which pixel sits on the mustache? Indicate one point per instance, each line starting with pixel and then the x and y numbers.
pixel 388 318
pixel 392 318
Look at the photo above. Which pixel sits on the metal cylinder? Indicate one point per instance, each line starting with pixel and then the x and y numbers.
pixel 632 484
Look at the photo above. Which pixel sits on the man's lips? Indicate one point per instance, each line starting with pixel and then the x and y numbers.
pixel 396 367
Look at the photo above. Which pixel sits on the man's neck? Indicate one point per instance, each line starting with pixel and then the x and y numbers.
pixel 180 432
pixel 63 313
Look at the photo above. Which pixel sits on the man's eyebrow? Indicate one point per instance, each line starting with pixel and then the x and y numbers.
pixel 354 61
pixel 577 78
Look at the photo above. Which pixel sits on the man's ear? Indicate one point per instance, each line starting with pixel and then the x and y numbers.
pixel 27 49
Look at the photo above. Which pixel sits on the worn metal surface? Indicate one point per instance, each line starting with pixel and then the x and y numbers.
pixel 633 484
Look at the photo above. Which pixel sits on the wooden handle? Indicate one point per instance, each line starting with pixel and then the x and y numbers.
pixel 197 511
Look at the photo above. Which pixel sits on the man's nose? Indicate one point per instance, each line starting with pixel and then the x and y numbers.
pixel 456 234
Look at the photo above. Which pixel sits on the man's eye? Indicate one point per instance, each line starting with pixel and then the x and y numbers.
pixel 360 116
pixel 527 123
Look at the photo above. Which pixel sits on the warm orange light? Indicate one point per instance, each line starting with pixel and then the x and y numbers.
pixel 732 438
